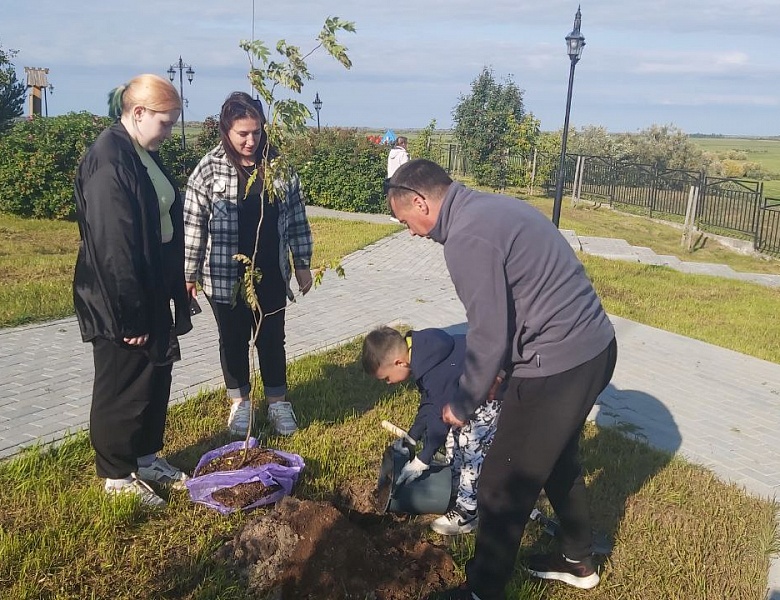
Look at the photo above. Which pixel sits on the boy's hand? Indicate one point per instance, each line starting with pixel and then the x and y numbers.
pixel 411 471
pixel 400 446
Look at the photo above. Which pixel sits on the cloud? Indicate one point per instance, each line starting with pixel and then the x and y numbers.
pixel 681 63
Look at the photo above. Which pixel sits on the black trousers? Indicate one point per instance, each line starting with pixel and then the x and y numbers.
pixel 536 447
pixel 129 408
pixel 236 326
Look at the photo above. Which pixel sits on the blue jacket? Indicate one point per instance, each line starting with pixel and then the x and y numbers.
pixel 437 364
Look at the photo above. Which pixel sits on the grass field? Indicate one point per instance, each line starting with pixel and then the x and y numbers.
pixel 764 151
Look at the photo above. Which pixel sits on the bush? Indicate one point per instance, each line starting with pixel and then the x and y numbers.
pixel 340 169
pixel 38 161
pixel 180 163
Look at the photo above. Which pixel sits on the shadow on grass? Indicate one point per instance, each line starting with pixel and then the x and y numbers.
pixel 615 473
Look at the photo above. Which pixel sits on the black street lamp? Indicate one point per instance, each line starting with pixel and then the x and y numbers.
pixel 182 68
pixel 317 106
pixel 575 42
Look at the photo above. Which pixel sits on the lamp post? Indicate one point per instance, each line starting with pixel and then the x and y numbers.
pixel 575 42
pixel 50 89
pixel 317 106
pixel 182 68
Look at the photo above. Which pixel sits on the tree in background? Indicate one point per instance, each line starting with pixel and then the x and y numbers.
pixel 420 146
pixel 595 140
pixel 665 147
pixel 490 125
pixel 11 91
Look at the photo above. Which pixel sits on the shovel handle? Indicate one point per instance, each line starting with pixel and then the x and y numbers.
pixel 398 432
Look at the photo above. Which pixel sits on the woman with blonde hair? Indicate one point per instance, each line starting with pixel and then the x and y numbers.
pixel 130 266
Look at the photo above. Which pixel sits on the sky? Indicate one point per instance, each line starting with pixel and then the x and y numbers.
pixel 705 66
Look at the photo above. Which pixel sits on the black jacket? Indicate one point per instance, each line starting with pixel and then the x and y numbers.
pixel 125 277
pixel 437 364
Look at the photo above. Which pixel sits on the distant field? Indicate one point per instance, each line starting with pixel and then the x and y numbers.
pixel 765 152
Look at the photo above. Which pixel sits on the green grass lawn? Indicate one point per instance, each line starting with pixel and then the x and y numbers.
pixel 678 531
pixel 37 260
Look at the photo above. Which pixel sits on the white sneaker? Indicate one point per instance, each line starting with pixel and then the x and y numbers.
pixel 160 471
pixel 282 418
pixel 240 417
pixel 456 521
pixel 138 488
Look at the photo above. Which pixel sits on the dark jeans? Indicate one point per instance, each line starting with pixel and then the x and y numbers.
pixel 536 447
pixel 129 407
pixel 236 326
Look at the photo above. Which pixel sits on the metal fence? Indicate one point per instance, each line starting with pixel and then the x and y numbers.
pixel 728 206
pixel 768 227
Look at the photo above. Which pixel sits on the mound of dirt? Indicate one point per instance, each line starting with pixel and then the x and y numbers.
pixel 305 550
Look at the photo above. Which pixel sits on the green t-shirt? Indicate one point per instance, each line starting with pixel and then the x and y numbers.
pixel 164 189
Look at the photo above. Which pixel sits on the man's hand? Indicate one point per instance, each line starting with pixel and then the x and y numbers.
pixel 449 417
pixel 303 277
pixel 411 471
pixel 494 388
pixel 192 289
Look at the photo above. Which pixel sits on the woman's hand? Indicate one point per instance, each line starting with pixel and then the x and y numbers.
pixel 137 341
pixel 192 289
pixel 303 277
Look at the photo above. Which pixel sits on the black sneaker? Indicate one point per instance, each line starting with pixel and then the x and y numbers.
pixel 581 574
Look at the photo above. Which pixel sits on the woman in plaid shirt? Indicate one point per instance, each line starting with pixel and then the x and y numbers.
pixel 222 218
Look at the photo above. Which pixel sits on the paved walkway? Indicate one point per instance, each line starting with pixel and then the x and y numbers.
pixel 716 407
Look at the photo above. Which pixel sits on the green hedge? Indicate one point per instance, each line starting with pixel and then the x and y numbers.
pixel 38 160
pixel 339 168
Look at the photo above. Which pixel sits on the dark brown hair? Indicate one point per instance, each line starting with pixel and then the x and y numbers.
pixel 380 344
pixel 240 105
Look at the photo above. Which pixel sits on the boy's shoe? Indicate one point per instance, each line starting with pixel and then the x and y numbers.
pixel 282 418
pixel 456 521
pixel 138 488
pixel 239 417
pixel 581 574
pixel 160 471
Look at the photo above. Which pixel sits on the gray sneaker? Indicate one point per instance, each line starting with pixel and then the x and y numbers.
pixel 456 521
pixel 136 487
pixel 160 471
pixel 240 417
pixel 282 418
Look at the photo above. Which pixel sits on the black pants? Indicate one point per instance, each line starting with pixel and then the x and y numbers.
pixel 236 326
pixel 129 408
pixel 536 446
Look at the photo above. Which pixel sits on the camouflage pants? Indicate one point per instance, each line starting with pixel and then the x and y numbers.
pixel 465 450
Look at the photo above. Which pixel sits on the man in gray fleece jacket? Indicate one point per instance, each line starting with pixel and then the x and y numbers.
pixel 533 317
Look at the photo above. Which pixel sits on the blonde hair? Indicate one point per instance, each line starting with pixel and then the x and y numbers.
pixel 147 90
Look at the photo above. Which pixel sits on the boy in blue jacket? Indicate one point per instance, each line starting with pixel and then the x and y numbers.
pixel 435 359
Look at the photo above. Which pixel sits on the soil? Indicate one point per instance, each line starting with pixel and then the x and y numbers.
pixel 339 550
pixel 255 457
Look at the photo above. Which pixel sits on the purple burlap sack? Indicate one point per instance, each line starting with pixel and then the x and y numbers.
pixel 202 487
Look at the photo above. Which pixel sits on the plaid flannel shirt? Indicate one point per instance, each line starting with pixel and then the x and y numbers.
pixel 211 227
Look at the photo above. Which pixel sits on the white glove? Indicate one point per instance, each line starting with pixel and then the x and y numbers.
pixel 411 471
pixel 400 447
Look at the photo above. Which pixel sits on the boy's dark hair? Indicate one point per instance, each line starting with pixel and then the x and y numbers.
pixel 378 344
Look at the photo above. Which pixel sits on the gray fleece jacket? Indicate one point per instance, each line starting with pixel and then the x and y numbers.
pixel 531 310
